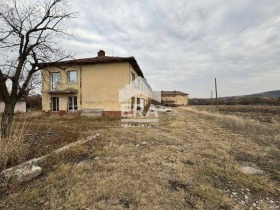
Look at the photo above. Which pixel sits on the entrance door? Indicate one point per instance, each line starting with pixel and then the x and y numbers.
pixel 54 104
pixel 72 103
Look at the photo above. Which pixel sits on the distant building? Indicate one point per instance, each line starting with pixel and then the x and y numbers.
pixel 20 106
pixel 174 98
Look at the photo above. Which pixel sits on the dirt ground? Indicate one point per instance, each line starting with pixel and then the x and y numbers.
pixel 189 162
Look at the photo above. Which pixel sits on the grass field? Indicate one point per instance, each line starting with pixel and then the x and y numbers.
pixel 262 113
pixel 191 161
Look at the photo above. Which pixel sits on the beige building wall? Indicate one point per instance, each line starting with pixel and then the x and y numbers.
pixel 168 98
pixel 182 99
pixel 97 86
pixel 101 84
pixel 175 99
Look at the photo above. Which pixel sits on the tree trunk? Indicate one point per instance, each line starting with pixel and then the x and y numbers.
pixel 7 119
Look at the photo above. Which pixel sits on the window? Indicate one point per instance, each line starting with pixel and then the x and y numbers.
pixel 54 80
pixel 72 103
pixel 54 104
pixel 72 76
pixel 143 102
pixel 132 102
pixel 138 104
pixel 132 76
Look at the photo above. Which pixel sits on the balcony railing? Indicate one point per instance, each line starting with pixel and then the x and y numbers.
pixel 63 88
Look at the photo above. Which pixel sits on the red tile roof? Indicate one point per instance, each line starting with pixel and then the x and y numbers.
pixel 98 60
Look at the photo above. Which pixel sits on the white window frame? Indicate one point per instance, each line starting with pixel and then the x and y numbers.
pixel 68 76
pixel 74 107
pixel 54 81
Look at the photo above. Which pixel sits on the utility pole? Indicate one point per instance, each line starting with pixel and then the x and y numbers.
pixel 216 93
pixel 211 100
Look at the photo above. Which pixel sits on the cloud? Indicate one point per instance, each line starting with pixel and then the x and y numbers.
pixel 184 45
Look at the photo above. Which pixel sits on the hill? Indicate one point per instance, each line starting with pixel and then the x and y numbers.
pixel 264 98
pixel 269 94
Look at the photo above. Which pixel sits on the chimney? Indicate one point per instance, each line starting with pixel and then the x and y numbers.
pixel 101 53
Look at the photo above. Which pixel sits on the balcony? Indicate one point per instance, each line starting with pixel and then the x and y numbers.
pixel 63 89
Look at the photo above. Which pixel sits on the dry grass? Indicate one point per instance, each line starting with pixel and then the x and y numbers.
pixel 190 162
pixel 265 135
pixel 261 113
pixel 13 150
pixel 248 126
pixel 36 134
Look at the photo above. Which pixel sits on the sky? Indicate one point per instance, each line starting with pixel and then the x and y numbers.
pixel 184 45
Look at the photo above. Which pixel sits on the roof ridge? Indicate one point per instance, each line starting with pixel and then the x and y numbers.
pixel 173 92
pixel 96 57
pixel 95 60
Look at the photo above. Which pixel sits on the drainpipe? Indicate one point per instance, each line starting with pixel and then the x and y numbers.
pixel 81 88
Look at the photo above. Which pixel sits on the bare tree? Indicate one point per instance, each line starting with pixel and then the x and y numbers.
pixel 29 35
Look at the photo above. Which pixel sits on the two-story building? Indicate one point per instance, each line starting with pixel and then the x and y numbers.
pixel 174 98
pixel 89 85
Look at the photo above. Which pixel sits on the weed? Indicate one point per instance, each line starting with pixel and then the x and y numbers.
pixel 191 161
